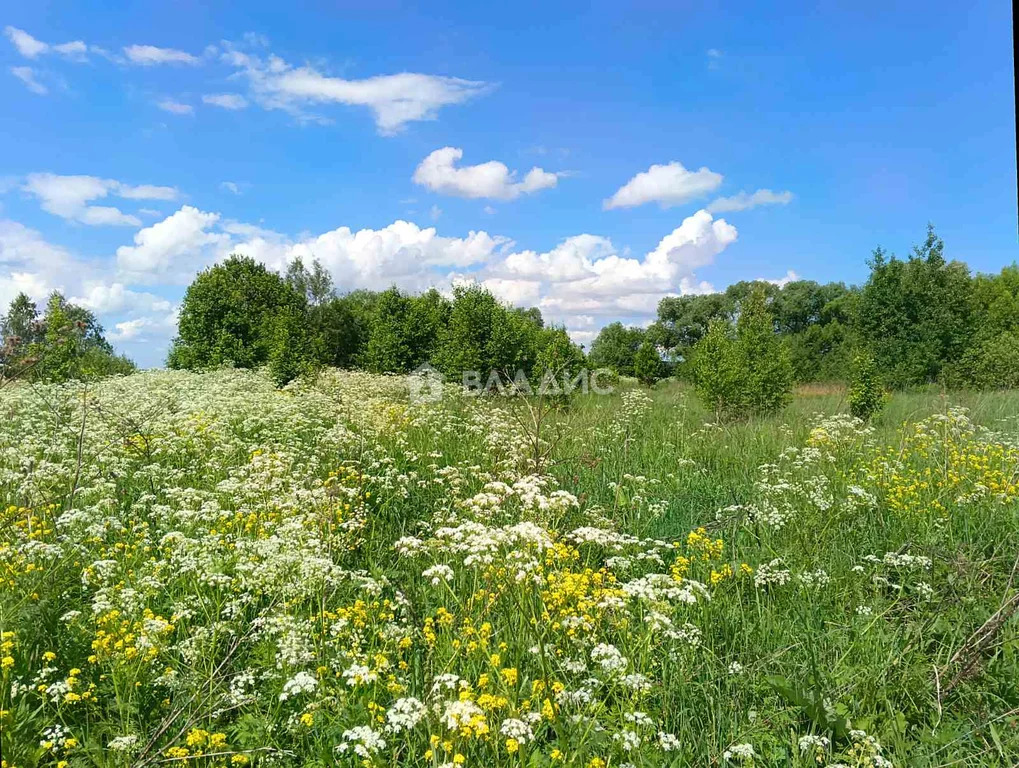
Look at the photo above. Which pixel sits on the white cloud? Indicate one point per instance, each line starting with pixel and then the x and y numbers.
pixel 667 185
pixel 25 249
pixel 395 100
pixel 34 285
pixel 31 48
pixel 225 100
pixel 172 249
pixel 146 329
pixel 74 50
pixel 781 282
pixel 435 213
pixel 29 263
pixel 105 298
pixel 520 293
pixel 402 253
pixel 69 197
pixel 150 55
pixel 27 45
pixel 145 192
pixel 27 76
pixel 742 201
pixel 129 330
pixel 493 179
pixel 175 107
pixel 230 186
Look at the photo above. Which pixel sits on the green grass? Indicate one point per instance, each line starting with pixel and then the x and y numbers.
pixel 223 575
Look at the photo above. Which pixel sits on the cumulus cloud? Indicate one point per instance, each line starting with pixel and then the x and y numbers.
pixel 171 250
pixel 582 278
pixel 175 107
pixel 115 297
pixel 781 282
pixel 586 274
pixel 742 201
pixel 395 99
pixel 150 56
pixel 30 264
pixel 668 185
pixel 403 253
pixel 225 100
pixel 31 48
pixel 69 197
pixel 27 76
pixel 147 329
pixel 439 173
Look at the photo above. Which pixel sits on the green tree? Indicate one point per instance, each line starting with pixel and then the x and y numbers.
pixel 20 328
pixel 991 363
pixel 747 369
pixel 616 347
pixel 290 348
pixel 915 315
pixel 482 335
pixel 388 349
pixel 717 369
pixel 228 313
pixel 557 364
pixel 66 343
pixel 866 393
pixel 464 342
pixel 315 284
pixel 768 374
pixel 647 364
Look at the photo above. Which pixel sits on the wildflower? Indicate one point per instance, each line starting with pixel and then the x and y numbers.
pixel 405 714
pixel 300 683
pixel 740 753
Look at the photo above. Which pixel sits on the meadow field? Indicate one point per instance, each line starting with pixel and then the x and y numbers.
pixel 200 569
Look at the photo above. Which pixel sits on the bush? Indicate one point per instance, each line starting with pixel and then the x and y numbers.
pixel 290 352
pixel 647 364
pixel 743 370
pixel 991 364
pixel 558 362
pixel 866 393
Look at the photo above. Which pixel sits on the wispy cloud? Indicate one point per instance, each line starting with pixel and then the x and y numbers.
pixel 743 201
pixel 27 76
pixel 150 56
pixel 395 99
pixel 175 107
pixel 225 100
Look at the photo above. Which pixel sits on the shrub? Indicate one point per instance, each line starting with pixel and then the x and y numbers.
pixel 866 393
pixel 743 370
pixel 290 352
pixel 647 364
pixel 991 364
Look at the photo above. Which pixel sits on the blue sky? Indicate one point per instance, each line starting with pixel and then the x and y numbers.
pixel 679 146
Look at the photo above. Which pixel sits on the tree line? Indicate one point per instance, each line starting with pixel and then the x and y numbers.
pixel 918 320
pixel 240 313
pixel 64 341
pixel 923 319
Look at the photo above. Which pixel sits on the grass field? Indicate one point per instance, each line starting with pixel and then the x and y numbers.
pixel 199 569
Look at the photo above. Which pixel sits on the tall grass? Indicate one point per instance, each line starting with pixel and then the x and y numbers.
pixel 199 569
